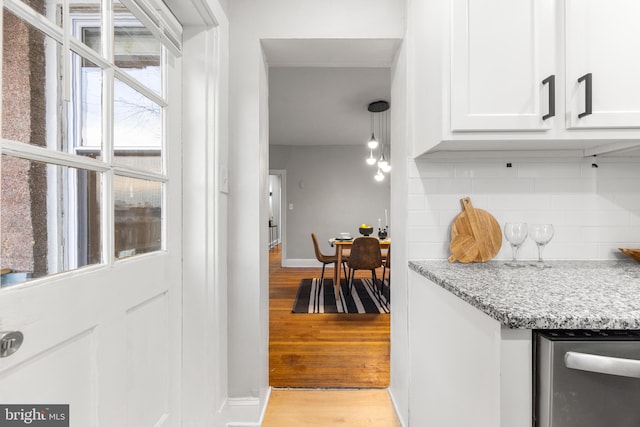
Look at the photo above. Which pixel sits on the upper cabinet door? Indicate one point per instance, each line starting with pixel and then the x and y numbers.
pixel 602 42
pixel 501 52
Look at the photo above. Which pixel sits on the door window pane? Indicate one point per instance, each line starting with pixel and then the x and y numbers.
pixel 85 108
pixel 31 86
pixel 137 129
pixel 136 51
pixel 49 219
pixel 138 216
pixel 85 22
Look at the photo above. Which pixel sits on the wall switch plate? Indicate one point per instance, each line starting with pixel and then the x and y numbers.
pixel 224 179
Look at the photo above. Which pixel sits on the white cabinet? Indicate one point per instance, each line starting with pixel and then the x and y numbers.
pixel 466 369
pixel 603 41
pixel 501 51
pixel 514 74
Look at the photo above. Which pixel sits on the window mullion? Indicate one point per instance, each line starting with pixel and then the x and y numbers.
pixel 44 155
pixel 66 66
pixel 108 204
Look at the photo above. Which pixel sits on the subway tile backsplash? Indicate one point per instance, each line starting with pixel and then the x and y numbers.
pixel 594 210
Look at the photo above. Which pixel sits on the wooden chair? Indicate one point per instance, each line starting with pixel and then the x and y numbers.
pixel 327 259
pixel 365 255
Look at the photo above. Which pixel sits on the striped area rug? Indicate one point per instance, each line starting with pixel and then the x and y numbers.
pixel 314 297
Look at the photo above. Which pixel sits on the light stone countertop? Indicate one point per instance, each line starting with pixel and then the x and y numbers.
pixel 569 295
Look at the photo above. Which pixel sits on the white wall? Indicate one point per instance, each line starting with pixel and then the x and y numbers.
pixel 252 21
pixel 332 190
pixel 400 363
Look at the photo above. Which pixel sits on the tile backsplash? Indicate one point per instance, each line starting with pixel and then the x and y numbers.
pixel 594 205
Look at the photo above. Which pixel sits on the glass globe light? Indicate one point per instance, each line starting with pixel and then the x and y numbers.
pixel 373 142
pixel 371 160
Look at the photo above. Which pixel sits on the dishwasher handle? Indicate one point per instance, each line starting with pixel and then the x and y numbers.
pixel 602 364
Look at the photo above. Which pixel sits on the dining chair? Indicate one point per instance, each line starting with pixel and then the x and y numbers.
pixel 327 259
pixel 365 255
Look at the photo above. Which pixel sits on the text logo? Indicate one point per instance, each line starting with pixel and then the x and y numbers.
pixel 34 415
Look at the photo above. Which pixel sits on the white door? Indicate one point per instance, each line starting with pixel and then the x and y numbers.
pixel 502 53
pixel 91 214
pixel 601 40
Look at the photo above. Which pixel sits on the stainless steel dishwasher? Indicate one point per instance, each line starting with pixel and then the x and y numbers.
pixel 586 378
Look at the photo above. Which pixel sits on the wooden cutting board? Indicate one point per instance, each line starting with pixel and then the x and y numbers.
pixel 475 235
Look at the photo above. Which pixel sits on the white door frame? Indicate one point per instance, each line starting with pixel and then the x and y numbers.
pixel 205 201
pixel 282 173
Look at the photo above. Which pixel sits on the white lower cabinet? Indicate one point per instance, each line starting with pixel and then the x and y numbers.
pixel 466 369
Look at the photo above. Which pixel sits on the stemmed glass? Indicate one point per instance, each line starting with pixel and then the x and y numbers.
pixel 516 233
pixel 541 234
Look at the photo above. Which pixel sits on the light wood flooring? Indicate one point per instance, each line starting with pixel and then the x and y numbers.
pixel 306 408
pixel 322 350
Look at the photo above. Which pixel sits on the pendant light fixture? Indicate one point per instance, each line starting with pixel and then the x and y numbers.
pixel 379 124
pixel 371 160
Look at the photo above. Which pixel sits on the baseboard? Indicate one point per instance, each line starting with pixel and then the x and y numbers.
pixel 240 412
pixel 266 403
pixel 395 407
pixel 301 263
pixel 243 401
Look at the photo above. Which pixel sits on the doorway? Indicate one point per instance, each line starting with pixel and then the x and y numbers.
pixel 276 179
pixel 331 189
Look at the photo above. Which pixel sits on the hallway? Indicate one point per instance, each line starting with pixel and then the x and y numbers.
pixel 317 351
pixel 322 350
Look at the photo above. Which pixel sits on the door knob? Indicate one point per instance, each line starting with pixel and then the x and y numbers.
pixel 10 342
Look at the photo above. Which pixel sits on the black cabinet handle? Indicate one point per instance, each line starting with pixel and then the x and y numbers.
pixel 587 94
pixel 551 80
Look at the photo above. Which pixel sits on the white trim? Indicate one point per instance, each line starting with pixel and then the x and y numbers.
pixel 396 409
pixel 282 173
pixel 155 19
pixel 243 401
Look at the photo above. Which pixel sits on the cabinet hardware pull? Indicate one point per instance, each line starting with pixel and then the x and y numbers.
pixel 587 94
pixel 552 96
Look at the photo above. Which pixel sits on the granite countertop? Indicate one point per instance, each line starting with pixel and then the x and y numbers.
pixel 569 295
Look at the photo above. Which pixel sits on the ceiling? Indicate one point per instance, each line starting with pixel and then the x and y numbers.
pixel 319 89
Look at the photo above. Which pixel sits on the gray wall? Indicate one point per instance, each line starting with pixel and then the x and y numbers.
pixel 332 190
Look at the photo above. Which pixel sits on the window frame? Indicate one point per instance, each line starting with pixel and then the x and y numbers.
pixel 166 29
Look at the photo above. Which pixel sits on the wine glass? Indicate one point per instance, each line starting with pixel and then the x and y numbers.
pixel 541 234
pixel 516 233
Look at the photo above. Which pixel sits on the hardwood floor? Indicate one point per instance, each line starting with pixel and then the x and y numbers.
pixel 356 408
pixel 322 350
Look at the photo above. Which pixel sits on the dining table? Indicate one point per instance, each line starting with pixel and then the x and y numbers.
pixel 341 245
